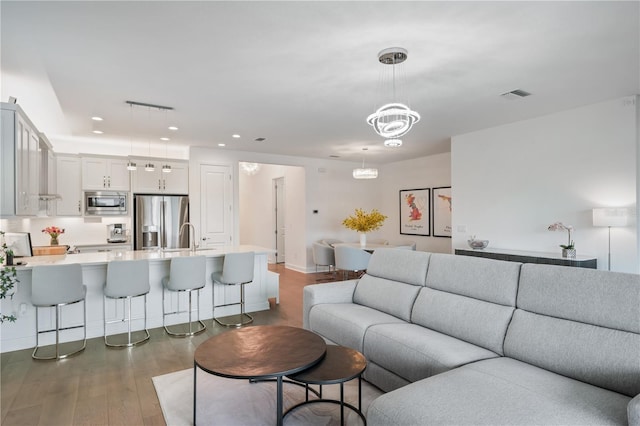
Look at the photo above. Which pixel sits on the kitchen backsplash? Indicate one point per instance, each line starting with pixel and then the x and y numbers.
pixel 78 231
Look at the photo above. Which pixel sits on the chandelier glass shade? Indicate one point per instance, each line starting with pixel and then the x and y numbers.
pixel 249 168
pixel 393 119
pixel 365 173
pixel 393 143
pixel 131 166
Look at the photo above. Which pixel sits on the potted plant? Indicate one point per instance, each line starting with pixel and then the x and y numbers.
pixel 569 249
pixel 364 222
pixel 8 277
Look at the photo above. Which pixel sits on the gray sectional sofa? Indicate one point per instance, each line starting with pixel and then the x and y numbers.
pixel 460 340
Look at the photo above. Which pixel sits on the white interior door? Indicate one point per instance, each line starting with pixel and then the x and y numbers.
pixel 279 215
pixel 216 206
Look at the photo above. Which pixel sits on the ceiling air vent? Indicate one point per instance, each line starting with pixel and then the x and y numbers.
pixel 515 94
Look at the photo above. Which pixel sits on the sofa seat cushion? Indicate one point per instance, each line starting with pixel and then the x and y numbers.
pixel 346 323
pixel 500 391
pixel 414 352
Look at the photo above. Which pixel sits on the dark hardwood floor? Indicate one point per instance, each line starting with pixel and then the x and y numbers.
pixel 103 386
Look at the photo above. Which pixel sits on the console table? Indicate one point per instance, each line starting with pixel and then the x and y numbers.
pixel 532 257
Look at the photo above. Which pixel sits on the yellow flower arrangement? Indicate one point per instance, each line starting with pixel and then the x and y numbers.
pixel 363 221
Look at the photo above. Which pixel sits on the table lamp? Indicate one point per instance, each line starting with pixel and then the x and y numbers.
pixel 610 217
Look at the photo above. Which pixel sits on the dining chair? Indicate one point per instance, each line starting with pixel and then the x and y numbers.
pixel 351 259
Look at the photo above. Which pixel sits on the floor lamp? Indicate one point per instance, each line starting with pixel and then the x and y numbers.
pixel 610 217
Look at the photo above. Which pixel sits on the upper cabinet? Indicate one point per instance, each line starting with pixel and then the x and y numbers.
pixel 68 185
pixel 19 144
pixel 102 173
pixel 158 182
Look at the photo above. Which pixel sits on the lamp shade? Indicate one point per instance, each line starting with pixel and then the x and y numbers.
pixel 610 217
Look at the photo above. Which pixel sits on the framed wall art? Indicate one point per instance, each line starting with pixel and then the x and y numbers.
pixel 441 211
pixel 415 207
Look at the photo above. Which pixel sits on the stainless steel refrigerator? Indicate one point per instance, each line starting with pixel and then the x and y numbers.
pixel 158 220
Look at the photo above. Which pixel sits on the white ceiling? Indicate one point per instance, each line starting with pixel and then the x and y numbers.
pixel 305 75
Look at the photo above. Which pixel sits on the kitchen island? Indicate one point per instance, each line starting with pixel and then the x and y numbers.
pixel 21 334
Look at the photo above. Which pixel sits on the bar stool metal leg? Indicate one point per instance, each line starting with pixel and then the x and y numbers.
pixel 201 325
pixel 57 329
pixel 245 318
pixel 126 304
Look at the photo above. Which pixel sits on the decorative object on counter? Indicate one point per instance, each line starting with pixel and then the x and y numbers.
pixel 568 250
pixel 364 222
pixel 53 232
pixel 477 244
pixel 610 217
pixel 8 278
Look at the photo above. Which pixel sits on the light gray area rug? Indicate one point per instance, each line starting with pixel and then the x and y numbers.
pixel 230 402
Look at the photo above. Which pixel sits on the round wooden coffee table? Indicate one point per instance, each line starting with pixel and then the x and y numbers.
pixel 339 365
pixel 259 352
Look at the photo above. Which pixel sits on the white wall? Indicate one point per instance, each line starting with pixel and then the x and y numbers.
pixel 78 230
pixel 425 172
pixel 257 206
pixel 510 182
pixel 328 187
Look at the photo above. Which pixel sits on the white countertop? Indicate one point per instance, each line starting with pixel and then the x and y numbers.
pixel 158 255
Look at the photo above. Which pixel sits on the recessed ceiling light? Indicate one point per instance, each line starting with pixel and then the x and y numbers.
pixel 236 136
pixel 96 118
pixel 172 128
pixel 260 139
pixel 98 132
pixel 334 156
pixel 222 144
pixel 165 139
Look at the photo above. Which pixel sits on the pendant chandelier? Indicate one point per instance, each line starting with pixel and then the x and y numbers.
pixel 249 169
pixel 394 119
pixel 149 166
pixel 363 172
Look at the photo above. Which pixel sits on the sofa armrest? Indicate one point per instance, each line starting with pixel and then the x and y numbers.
pixel 337 292
pixel 633 411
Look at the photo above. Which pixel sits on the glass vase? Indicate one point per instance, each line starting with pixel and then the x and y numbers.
pixel 54 241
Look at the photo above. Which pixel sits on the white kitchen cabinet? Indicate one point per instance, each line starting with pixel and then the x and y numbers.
pixel 52 186
pixel 68 175
pixel 20 173
pixel 158 182
pixel 102 173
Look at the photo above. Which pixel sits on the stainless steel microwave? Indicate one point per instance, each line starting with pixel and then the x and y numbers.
pixel 104 203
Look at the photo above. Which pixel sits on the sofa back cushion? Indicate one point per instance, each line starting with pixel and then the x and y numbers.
pixel 392 281
pixel 469 298
pixel 406 266
pixel 580 323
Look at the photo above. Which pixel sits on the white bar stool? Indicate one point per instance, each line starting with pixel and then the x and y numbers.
pixel 126 279
pixel 55 286
pixel 237 269
pixel 186 274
